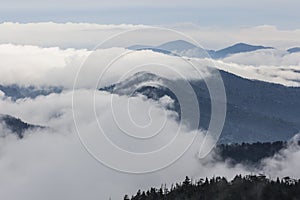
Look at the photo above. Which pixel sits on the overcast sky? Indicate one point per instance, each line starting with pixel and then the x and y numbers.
pixel 283 14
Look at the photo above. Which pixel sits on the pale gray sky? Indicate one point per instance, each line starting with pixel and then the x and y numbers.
pixel 283 14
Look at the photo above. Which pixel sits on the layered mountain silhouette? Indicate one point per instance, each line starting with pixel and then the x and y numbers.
pixel 256 110
pixel 184 48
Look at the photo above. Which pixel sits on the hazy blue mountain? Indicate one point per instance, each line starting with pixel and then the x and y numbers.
pixel 294 50
pixel 184 48
pixel 256 110
pixel 176 48
pixel 177 45
pixel 139 47
pixel 237 48
pixel 15 125
pixel 18 92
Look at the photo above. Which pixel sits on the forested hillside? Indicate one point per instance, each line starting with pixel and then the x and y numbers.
pixel 251 187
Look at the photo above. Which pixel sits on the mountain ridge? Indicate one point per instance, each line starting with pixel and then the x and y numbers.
pixel 16 125
pixel 184 48
pixel 256 110
pixel 294 50
pixel 16 92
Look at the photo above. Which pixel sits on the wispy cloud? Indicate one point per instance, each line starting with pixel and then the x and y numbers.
pixel 86 35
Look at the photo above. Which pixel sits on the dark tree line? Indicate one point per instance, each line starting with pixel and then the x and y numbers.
pixel 247 153
pixel 251 187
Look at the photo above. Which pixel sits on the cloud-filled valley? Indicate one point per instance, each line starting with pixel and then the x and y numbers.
pixel 51 160
pixel 82 102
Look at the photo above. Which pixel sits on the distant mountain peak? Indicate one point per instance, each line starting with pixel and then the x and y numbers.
pixel 143 74
pixel 294 50
pixel 242 44
pixel 132 82
pixel 177 45
pixel 180 42
pixel 185 48
pixel 238 48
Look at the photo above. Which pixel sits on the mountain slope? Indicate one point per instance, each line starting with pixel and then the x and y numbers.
pixel 250 153
pixel 237 48
pixel 257 187
pixel 16 92
pixel 256 110
pixel 147 84
pixel 294 50
pixel 16 125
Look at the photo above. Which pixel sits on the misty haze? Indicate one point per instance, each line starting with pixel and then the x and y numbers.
pixel 149 100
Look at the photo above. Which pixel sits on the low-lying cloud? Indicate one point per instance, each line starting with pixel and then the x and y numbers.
pixel 32 65
pixel 52 163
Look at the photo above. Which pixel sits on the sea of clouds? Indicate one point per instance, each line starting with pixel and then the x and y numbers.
pixel 53 163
